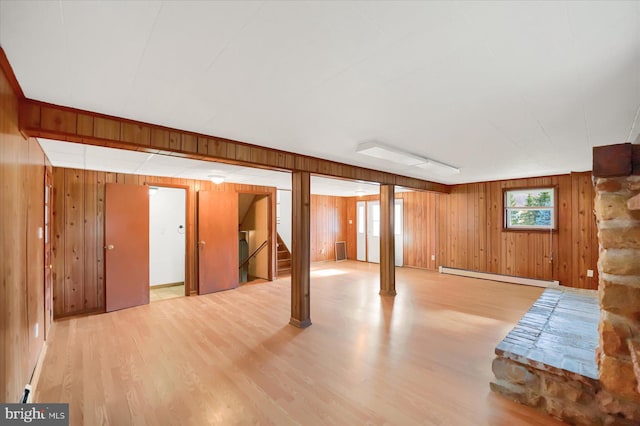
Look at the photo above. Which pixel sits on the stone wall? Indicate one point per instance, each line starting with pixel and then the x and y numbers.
pixel 575 399
pixel 548 362
pixel 617 181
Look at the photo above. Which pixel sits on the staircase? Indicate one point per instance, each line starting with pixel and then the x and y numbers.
pixel 283 259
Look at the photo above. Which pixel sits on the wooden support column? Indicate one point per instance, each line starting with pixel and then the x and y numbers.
pixel 300 249
pixel 387 241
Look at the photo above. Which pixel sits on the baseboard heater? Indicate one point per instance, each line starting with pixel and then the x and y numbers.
pixel 498 277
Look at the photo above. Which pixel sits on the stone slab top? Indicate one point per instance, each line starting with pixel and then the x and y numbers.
pixel 559 332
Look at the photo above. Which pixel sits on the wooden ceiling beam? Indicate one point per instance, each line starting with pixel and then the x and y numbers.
pixel 43 120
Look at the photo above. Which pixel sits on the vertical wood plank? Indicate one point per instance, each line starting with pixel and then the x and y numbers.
pixel 351 228
pixel 105 128
pixel 74 250
pixel 90 221
pixel 160 138
pixel 85 125
pixel 99 240
pixel 58 248
pixel 58 120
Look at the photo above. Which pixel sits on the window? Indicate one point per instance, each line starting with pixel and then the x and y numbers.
pixel 360 219
pixel 530 209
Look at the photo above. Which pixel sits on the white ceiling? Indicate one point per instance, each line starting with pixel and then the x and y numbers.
pixel 89 157
pixel 499 89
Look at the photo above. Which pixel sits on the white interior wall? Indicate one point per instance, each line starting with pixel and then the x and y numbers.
pixel 284 226
pixel 166 239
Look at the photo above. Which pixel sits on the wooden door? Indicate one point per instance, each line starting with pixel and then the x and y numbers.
pixel 217 241
pixel 126 236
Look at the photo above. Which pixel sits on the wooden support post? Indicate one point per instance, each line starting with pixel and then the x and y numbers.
pixel 387 241
pixel 300 249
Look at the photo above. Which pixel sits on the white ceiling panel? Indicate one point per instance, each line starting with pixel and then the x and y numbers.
pixel 498 89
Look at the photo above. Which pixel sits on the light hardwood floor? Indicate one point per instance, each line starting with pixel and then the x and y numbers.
pixel 164 293
pixel 420 358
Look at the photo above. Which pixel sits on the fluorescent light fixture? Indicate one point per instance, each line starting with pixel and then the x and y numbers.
pixel 394 155
pixel 153 190
pixel 217 179
pixel 384 152
pixel 438 167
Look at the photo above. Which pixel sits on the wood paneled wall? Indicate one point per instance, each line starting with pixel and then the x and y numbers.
pixel 463 229
pixel 22 303
pixel 328 225
pixel 78 227
pixel 475 239
pixel 420 226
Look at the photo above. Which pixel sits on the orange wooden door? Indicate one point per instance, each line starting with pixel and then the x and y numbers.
pixel 126 236
pixel 217 241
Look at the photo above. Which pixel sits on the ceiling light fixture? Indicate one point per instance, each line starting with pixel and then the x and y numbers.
pixel 395 155
pixel 438 167
pixel 384 152
pixel 217 179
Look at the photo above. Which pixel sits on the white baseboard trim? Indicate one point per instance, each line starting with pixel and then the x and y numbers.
pixel 497 277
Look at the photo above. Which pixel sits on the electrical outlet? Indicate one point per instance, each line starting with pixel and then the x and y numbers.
pixel 589 273
pixel 350 222
pixel 36 330
pixel 433 257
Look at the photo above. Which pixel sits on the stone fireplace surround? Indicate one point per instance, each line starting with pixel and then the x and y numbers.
pixel 555 359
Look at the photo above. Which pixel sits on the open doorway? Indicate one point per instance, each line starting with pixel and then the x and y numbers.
pixel 254 237
pixel 167 242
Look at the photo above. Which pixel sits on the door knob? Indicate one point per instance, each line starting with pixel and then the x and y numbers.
pixel 202 243
pixel 109 247
pixel 50 266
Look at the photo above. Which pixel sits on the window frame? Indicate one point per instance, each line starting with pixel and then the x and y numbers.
pixel 554 209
